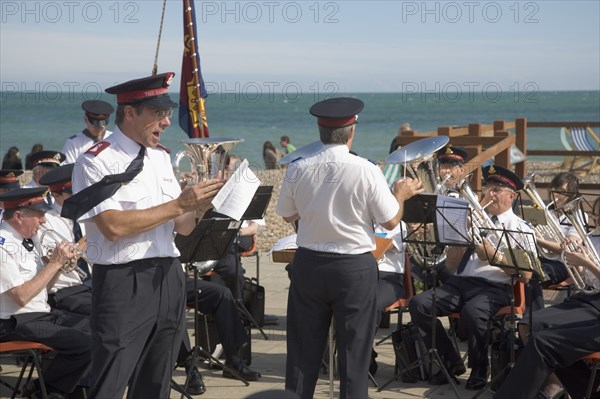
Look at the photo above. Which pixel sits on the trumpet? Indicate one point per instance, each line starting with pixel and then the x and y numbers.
pixel 54 238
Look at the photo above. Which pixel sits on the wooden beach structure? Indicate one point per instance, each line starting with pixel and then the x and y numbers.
pixel 483 142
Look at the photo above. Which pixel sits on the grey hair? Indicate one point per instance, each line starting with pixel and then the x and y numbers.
pixel 338 135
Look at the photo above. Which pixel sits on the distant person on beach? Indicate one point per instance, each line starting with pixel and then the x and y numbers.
pixel 271 155
pixel 12 159
pixel 287 146
pixel 395 145
pixel 34 149
pixel 96 118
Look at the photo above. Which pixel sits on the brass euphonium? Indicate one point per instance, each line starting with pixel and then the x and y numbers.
pixel 419 160
pixel 582 279
pixel 207 157
pixel 49 239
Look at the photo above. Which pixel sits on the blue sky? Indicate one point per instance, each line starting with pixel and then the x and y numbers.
pixel 346 46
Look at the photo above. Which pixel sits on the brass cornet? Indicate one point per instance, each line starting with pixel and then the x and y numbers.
pixel 53 238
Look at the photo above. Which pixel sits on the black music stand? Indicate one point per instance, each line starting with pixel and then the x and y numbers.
pixel 256 210
pixel 515 259
pixel 447 216
pixel 206 243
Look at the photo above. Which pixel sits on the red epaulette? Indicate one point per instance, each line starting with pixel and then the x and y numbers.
pixel 162 147
pixel 98 148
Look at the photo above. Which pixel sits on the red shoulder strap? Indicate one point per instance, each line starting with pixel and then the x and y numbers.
pixel 162 147
pixel 98 148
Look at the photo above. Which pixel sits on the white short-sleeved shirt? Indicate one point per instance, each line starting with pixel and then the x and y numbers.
pixel 393 260
pixel 17 267
pixel 77 144
pixel 64 227
pixel 154 185
pixel 338 197
pixel 511 222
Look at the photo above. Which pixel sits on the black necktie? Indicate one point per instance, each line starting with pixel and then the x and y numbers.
pixel 80 203
pixel 469 252
pixel 28 244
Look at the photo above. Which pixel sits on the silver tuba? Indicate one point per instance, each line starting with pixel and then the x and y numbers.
pixel 419 160
pixel 49 239
pixel 583 279
pixel 207 157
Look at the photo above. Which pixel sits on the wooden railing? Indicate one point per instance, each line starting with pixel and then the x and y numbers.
pixel 483 142
pixel 523 124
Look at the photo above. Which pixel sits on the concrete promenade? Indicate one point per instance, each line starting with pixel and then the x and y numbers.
pixel 268 356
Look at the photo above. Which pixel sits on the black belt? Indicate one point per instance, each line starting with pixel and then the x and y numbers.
pixel 157 260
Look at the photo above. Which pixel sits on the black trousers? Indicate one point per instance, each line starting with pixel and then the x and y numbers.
pixel 137 313
pixel 65 332
pixel 231 271
pixel 77 299
pixel 325 285
pixel 477 300
pixel 217 300
pixel 556 272
pixel 562 334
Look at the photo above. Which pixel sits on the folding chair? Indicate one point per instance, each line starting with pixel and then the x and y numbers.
pixel 253 251
pixel 32 351
pixel 580 139
pixel 593 359
pixel 401 305
pixel 503 315
pixel 391 171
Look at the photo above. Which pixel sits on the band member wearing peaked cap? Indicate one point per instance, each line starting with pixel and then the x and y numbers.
pixel 479 289
pixel 127 196
pixel 336 197
pixel 24 311
pixel 96 118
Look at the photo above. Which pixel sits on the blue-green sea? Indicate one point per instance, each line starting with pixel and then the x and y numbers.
pixel 50 118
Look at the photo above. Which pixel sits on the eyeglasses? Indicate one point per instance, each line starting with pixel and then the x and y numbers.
pixel 161 113
pixel 497 190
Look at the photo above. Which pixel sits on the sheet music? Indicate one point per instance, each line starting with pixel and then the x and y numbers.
pixel 288 242
pixel 452 227
pixel 235 196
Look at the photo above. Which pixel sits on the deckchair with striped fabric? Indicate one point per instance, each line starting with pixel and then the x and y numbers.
pixel 580 139
pixel 391 171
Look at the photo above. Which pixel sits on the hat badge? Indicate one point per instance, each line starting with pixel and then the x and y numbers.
pixel 169 80
pixel 492 170
pixel 11 174
pixel 449 151
pixel 57 157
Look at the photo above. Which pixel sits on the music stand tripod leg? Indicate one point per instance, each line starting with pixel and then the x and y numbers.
pixel 513 328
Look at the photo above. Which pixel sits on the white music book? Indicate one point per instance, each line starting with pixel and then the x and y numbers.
pixel 235 196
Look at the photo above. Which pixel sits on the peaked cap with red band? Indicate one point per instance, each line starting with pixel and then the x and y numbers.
pixel 58 179
pixel 32 198
pixel 451 154
pixel 9 178
pixel 337 112
pixel 502 176
pixel 151 91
